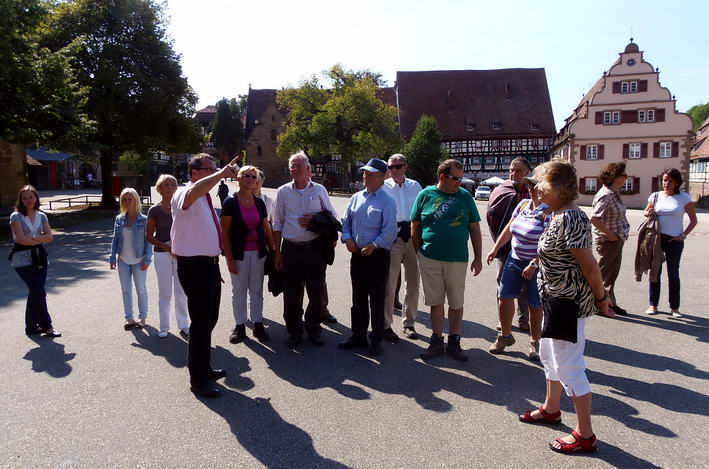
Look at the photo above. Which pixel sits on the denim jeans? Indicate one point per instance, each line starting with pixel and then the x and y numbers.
pixel 125 273
pixel 36 314
pixel 673 254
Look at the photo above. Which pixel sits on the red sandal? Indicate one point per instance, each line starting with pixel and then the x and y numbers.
pixel 581 445
pixel 546 418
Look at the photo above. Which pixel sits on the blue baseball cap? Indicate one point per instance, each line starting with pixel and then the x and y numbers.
pixel 375 166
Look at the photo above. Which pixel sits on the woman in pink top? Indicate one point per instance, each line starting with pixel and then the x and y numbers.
pixel 247 235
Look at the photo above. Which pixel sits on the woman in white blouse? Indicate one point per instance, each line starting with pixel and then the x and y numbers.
pixel 670 204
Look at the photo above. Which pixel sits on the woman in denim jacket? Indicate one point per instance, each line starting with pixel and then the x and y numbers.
pixel 134 255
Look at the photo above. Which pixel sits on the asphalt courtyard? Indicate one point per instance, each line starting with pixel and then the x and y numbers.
pixel 103 397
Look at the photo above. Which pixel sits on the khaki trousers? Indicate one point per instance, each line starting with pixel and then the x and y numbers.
pixel 610 256
pixel 402 252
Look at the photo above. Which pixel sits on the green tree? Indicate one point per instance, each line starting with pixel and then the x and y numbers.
pixel 42 102
pixel 424 152
pixel 346 119
pixel 137 94
pixel 227 129
pixel 699 114
pixel 138 162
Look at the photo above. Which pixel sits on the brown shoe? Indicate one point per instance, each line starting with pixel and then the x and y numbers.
pixel 500 343
pixel 534 350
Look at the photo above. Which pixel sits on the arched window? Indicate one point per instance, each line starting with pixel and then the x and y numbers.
pixel 259 151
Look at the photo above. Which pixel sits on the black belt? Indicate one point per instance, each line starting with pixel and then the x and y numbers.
pixel 302 243
pixel 200 259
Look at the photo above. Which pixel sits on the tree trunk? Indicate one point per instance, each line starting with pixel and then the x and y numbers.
pixel 108 200
pixel 13 174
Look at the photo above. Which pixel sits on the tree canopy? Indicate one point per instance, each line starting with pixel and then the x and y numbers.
pixel 699 114
pixel 42 102
pixel 423 151
pixel 227 129
pixel 137 94
pixel 346 118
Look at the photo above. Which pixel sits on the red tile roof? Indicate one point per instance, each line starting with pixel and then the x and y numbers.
pixel 466 103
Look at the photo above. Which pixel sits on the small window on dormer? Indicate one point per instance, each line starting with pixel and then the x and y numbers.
pixel 535 126
pixel 469 127
pixel 496 125
pixel 273 118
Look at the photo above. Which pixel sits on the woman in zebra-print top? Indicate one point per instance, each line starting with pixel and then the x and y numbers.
pixel 572 289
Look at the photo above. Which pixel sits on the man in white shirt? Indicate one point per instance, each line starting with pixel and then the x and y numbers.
pixel 197 242
pixel 301 254
pixel 404 191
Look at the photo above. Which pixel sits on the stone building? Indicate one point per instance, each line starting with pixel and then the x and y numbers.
pixel 626 116
pixel 486 117
pixel 264 122
pixel 699 167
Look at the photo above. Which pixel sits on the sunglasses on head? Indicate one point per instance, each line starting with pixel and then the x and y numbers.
pixel 396 166
pixel 455 178
pixel 250 176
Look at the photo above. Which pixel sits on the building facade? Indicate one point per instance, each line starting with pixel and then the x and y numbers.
pixel 626 116
pixel 699 167
pixel 486 117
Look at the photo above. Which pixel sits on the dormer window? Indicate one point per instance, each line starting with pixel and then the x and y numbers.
pixel 535 126
pixel 469 127
pixel 496 125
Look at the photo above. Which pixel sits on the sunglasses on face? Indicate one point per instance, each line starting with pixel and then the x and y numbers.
pixel 250 176
pixel 454 178
pixel 396 166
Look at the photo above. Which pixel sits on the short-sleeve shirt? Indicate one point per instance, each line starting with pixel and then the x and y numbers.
pixel 24 258
pixel 527 227
pixel 444 222
pixel 163 223
pixel 609 207
pixel 670 211
pixel 561 275
pixel 194 231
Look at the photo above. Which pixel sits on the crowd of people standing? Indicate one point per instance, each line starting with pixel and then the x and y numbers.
pixel 543 244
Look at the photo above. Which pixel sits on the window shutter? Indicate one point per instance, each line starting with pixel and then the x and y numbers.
pixel 582 156
pixel 660 114
pixel 655 184
pixel 626 150
pixel 642 85
pixel 675 149
pixel 600 152
pixel 656 150
pixel 643 150
pixel 599 117
pixel 636 185
pixel 616 87
pixel 582 185
pixel 627 117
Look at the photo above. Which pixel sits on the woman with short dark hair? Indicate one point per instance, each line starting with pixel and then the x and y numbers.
pixel 610 228
pixel 669 205
pixel 572 290
pixel 30 231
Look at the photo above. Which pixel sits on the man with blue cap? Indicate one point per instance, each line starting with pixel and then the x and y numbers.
pixel 369 230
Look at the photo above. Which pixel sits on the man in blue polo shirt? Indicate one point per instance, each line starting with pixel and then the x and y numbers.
pixel 369 230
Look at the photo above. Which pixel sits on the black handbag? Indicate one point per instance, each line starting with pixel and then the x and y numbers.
pixel 560 319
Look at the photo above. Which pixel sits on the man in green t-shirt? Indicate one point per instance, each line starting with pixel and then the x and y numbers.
pixel 442 219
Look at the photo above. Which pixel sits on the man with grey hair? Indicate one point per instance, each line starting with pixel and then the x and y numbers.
pixel 404 191
pixel 299 252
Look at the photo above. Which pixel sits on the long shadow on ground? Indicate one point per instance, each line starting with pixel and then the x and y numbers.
pixel 50 357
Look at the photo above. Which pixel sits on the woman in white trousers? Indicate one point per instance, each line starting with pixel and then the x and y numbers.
pixel 158 234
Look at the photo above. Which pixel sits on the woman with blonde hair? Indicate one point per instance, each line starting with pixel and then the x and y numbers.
pixel 572 290
pixel 30 231
pixel 132 254
pixel 158 234
pixel 247 234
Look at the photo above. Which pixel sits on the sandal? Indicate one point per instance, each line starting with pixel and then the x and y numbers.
pixel 581 445
pixel 545 419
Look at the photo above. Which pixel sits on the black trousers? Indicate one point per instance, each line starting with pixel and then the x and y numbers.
pixel 202 282
pixel 303 267
pixel 369 281
pixel 36 313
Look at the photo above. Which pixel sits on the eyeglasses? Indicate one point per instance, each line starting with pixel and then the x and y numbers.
pixel 455 178
pixel 396 166
pixel 249 176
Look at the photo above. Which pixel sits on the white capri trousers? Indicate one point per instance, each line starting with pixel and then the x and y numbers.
pixel 248 283
pixel 563 361
pixel 169 283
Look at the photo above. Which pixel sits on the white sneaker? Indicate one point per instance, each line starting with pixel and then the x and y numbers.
pixel 651 310
pixel 676 314
pixel 162 334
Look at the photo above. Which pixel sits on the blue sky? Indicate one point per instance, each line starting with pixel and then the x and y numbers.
pixel 228 44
